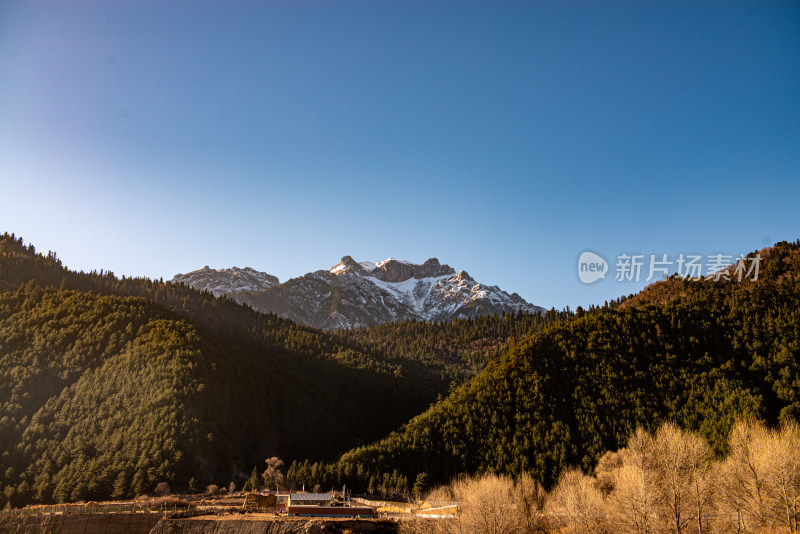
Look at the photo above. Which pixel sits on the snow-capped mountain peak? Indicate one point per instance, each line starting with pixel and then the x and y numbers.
pixel 392 269
pixel 348 264
pixel 353 293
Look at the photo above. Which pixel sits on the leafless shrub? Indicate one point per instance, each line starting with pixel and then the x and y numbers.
pixel 441 494
pixel 162 489
pixel 168 501
pixel 605 469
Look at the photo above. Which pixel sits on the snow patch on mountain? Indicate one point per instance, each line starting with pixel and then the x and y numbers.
pixel 412 292
pixel 387 260
pixel 368 265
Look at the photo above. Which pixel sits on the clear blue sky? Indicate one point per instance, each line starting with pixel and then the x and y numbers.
pixel 152 138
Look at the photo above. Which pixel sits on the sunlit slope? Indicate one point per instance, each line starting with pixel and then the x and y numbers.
pixel 568 393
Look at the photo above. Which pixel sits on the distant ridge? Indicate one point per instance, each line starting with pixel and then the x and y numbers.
pixel 353 294
pixel 227 281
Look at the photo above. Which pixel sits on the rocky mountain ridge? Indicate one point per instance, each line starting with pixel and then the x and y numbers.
pixel 227 281
pixel 353 294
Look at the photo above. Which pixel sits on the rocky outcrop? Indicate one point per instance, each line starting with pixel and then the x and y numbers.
pixel 347 262
pixel 399 271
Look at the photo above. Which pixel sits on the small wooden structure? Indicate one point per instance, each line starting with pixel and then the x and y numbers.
pixel 256 502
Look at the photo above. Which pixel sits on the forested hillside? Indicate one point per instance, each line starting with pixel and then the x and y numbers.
pixel 459 349
pixel 109 386
pixel 699 353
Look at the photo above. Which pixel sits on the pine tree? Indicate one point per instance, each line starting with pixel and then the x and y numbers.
pixel 421 485
pixel 254 480
pixel 120 486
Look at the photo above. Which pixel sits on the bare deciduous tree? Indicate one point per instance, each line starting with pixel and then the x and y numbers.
pixel 682 464
pixel 635 497
pixel 783 474
pixel 576 504
pixel 743 477
pixel 273 477
pixel 487 504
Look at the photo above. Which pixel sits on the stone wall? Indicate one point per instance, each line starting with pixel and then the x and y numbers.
pixel 124 523
pixel 78 523
pixel 250 526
